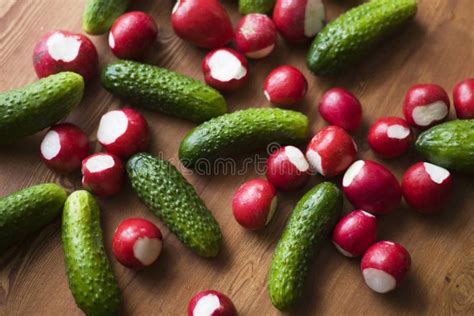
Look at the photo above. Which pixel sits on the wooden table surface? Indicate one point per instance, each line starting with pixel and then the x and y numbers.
pixel 438 47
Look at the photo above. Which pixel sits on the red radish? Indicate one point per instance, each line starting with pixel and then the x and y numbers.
pixel 331 151
pixel 132 34
pixel 371 187
pixel 211 303
pixel 463 99
pixel 225 69
pixel 285 86
pixel 63 148
pixel 426 105
pixel 102 174
pixel 256 35
pixel 287 169
pixel 254 204
pixel 204 23
pixel 123 132
pixel 299 20
pixel 341 108
pixel 385 265
pixel 355 233
pixel 137 243
pixel 390 137
pixel 426 187
pixel 59 51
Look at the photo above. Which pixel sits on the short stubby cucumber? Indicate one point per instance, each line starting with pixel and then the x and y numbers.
pixel 28 110
pixel 355 33
pixel 90 276
pixel 25 212
pixel 309 223
pixel 256 6
pixel 241 131
pixel 172 199
pixel 99 15
pixel 163 90
pixel 450 145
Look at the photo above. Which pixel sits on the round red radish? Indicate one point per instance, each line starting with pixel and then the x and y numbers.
pixel 254 204
pixel 63 148
pixel 385 265
pixel 123 132
pixel 132 34
pixel 211 303
pixel 102 174
pixel 299 20
pixel 371 187
pixel 59 51
pixel 426 105
pixel 331 151
pixel 390 137
pixel 256 35
pixel 137 243
pixel 204 23
pixel 287 169
pixel 225 69
pixel 285 86
pixel 426 187
pixel 355 233
pixel 463 99
pixel 341 108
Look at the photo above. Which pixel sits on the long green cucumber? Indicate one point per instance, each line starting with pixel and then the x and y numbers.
pixel 99 15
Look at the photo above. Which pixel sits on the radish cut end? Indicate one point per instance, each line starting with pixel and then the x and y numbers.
pixel 112 125
pixel 111 40
pixel 313 18
pixel 436 173
pixel 297 158
pixel 344 252
pixel 100 163
pixel 273 206
pixel 378 280
pixel 261 52
pixel 63 48
pixel 352 172
pixel 206 305
pixel 225 66
pixel 146 250
pixel 315 160
pixel 398 131
pixel 426 114
pixel 51 145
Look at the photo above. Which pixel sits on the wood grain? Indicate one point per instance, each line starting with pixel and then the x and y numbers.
pixel 438 47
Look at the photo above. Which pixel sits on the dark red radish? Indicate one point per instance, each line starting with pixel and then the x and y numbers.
pixel 426 105
pixel 254 204
pixel 463 99
pixel 285 86
pixel 225 69
pixel 137 243
pixel 204 23
pixel 102 174
pixel 371 187
pixel 132 34
pixel 331 151
pixel 385 265
pixel 341 108
pixel 59 51
pixel 123 132
pixel 287 169
pixel 211 303
pixel 256 35
pixel 426 187
pixel 299 20
pixel 64 147
pixel 390 137
pixel 355 233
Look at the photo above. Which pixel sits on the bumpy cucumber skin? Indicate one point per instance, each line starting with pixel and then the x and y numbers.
pixel 256 6
pixel 25 212
pixel 242 131
pixel 309 223
pixel 172 199
pixel 450 145
pixel 163 90
pixel 99 15
pixel 28 110
pixel 351 36
pixel 90 277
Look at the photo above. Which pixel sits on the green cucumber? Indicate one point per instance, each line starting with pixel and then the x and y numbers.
pixel 163 90
pixel 355 33
pixel 30 109
pixel 309 223
pixel 172 199
pixel 241 131
pixel 256 6
pixel 450 145
pixel 25 212
pixel 99 15
pixel 90 276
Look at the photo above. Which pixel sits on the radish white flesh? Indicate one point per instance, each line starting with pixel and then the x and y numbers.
pixel 112 125
pixel 436 173
pixel 206 305
pixel 102 174
pixel 314 17
pixel 379 280
pixel 100 163
pixel 225 66
pixel 352 172
pixel 261 53
pixel 147 250
pixel 297 158
pixel 50 146
pixel 426 115
pixel 211 303
pixel 398 131
pixel 426 105
pixel 63 48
